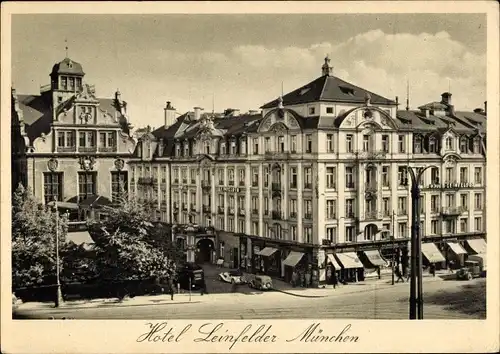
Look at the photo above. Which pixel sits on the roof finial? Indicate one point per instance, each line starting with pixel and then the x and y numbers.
pixel 66 48
pixel 213 103
pixel 280 102
pixel 407 94
pixel 326 69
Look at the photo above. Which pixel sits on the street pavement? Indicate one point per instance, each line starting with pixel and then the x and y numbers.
pixel 366 300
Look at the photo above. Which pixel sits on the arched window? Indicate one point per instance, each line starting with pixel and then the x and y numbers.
pixel 449 143
pixel 432 145
pixel 463 145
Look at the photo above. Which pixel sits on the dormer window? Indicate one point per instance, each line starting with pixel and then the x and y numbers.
pixel 64 83
pixel 243 147
pixel 223 148
pixel 207 147
pixel 281 144
pixel 177 149
pixel 233 147
pixel 417 145
pixel 186 148
pixel 449 143
pixel 475 145
pixel 71 83
pixel 463 145
pixel 432 145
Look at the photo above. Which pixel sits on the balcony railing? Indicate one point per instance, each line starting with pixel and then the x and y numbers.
pixel 371 187
pixel 192 207
pixel 331 186
pixel 230 183
pixel 108 149
pixel 146 180
pixel 255 183
pixel 184 206
pixel 221 182
pixel 255 211
pixel 87 149
pixel 176 180
pixel 276 215
pixel 293 215
pixel 193 181
pixel 176 205
pixel 242 183
pixel 372 154
pixel 349 215
pixel 205 184
pixel 308 216
pixel 241 212
pixel 220 210
pixel 231 211
pixel 275 186
pixel 307 185
pixel 206 208
pixel 293 185
pixel 372 215
pixel 66 149
pixel 184 181
pixel 402 212
pixel 349 185
pixel 276 155
pixel 451 211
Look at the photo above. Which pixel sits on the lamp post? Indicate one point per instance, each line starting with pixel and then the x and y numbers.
pixel 58 299
pixel 416 296
pixel 393 246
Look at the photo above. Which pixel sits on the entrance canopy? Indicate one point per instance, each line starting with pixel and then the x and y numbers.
pixel 332 259
pixel 349 260
pixel 375 258
pixel 432 253
pixel 267 251
pixel 293 258
pixel 456 248
pixel 477 245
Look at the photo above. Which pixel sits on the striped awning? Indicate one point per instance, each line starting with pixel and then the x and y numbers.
pixel 293 258
pixel 432 253
pixel 349 260
pixel 375 258
pixel 456 248
pixel 334 262
pixel 477 245
pixel 267 251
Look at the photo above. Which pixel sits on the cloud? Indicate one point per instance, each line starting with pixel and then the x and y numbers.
pixel 247 76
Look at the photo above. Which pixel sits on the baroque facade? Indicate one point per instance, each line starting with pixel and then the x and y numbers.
pixel 68 145
pixel 317 179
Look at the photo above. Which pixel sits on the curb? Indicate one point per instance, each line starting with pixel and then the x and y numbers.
pixel 300 295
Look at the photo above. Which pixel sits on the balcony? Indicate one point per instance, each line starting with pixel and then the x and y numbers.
pixel 266 212
pixel 87 149
pixel 220 210
pixel 372 215
pixel 307 185
pixel 221 182
pixel 205 184
pixel 66 149
pixel 241 212
pixel 402 212
pixel 108 149
pixel 192 207
pixel 452 211
pixel 350 215
pixel 231 211
pixel 207 208
pixel 293 185
pixel 372 154
pixel 276 215
pixel 276 155
pixel 163 180
pixel 146 180
pixel 255 183
pixel 193 181
pixel 371 187
pixel 349 185
pixel 184 181
pixel 176 180
pixel 176 206
pixel 331 186
pixel 255 211
pixel 184 206
pixel 242 183
pixel 276 187
pixel 230 183
pixel 308 216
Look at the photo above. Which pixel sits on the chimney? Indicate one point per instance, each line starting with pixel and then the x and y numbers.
pixel 485 107
pixel 446 98
pixel 253 111
pixel 169 114
pixel 197 112
pixel 236 112
pixel 397 100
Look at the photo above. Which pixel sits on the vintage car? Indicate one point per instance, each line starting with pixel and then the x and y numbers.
pixel 261 282
pixel 190 275
pixel 234 276
pixel 471 270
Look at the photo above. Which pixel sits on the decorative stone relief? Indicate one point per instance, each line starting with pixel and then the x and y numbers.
pixel 52 165
pixel 119 164
pixel 87 163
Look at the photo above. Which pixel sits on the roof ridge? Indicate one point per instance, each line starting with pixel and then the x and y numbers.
pixel 324 85
pixel 359 87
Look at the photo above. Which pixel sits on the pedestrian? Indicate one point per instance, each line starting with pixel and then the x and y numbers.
pixel 308 279
pixel 378 272
pixel 432 269
pixel 399 275
pixel 171 286
pixel 451 266
pixel 203 287
pixel 335 279
pixel 294 279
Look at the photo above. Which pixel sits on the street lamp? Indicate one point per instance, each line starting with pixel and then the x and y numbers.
pixel 393 246
pixel 58 299
pixel 416 296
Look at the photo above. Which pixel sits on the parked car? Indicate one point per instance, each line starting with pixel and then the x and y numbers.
pixel 234 276
pixel 471 270
pixel 261 282
pixel 193 272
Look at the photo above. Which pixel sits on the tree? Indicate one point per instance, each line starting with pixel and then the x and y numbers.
pixel 34 240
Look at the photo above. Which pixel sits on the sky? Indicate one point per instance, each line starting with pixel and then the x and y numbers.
pixel 242 61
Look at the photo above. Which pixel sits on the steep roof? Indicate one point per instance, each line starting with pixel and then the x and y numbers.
pixel 462 122
pixel 330 89
pixel 68 66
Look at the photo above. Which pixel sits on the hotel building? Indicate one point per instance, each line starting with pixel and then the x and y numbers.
pixel 317 179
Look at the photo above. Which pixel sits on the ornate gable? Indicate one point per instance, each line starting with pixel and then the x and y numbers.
pixel 278 121
pixel 369 116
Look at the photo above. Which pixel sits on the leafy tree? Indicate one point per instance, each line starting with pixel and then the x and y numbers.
pixel 34 240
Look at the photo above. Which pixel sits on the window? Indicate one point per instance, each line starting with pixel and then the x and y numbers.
pixel 64 83
pixel 293 233
pixel 230 176
pixel 464 201
pixel 255 146
pixel 349 205
pixel 78 82
pixel 221 200
pixel 449 226
pixel 86 184
pixel 207 147
pixel 255 227
pixel 186 148
pixel 434 203
pixel 432 145
pixel 233 148
pixel 386 206
pixel 434 175
pixel 312 110
pixel 385 176
pixel 329 110
pixel 348 142
pixel 293 177
pixel 478 175
pixel 463 225
pixel 220 174
pixel 308 234
pixel 464 175
pixel 267 144
pixel 255 176
pixel 449 143
pixel 402 230
pixel 308 209
pixel 307 177
pixel 331 209
pixel 329 143
pixel 293 208
pixel 402 176
pixel 385 143
pixel 434 227
pixel 281 144
pixel 349 234
pixel 331 177
pixel 231 202
pixel 402 203
pixel 349 177
pixel 87 139
pixel 308 143
pixel 463 145
pixel 478 201
pixel 417 144
pixel 241 225
pixel 478 224
pixel 255 205
pixel 449 175
pixel 401 143
pixel 266 205
pixel 52 186
pixel 107 139
pixel 475 145
pixel 119 185
pixel 366 143
pixel 241 177
pixel 66 139
pixel 450 200
pixel 230 224
pixel 422 204
pixel 331 234
pixel 192 174
pixel 266 176
pixel 293 143
pixel 177 150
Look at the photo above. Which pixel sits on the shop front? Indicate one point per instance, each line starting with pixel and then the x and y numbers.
pixel 352 269
pixel 455 255
pixel 432 254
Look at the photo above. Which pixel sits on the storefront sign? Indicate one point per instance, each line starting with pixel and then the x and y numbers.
pixel 450 185
pixel 229 189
